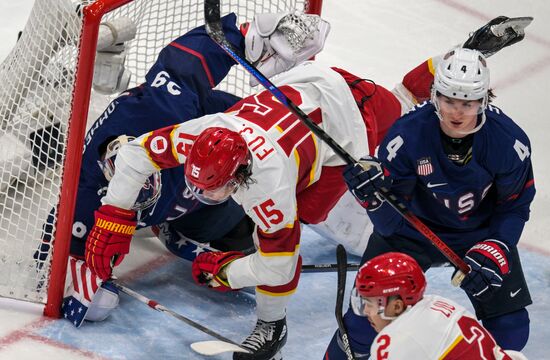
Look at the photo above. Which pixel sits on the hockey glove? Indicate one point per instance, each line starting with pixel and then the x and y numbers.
pixel 110 237
pixel 489 265
pixel 276 42
pixel 209 269
pixel 364 179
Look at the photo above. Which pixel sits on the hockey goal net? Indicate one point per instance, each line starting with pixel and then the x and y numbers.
pixel 44 107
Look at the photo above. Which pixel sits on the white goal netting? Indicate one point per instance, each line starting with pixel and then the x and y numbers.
pixel 36 100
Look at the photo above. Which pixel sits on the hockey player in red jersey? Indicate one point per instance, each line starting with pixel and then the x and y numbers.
pixel 389 291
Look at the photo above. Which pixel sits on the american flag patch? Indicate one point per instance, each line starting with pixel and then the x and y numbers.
pixel 424 166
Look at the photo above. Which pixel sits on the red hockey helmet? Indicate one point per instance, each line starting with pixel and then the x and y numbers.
pixel 212 164
pixel 390 274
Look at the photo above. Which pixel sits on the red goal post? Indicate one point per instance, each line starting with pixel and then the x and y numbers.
pixel 46 103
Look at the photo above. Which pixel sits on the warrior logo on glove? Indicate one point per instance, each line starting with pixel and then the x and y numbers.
pixel 109 239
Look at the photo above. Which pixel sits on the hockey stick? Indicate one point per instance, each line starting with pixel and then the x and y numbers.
pixel 314 268
pixel 307 268
pixel 342 261
pixel 215 31
pixel 229 345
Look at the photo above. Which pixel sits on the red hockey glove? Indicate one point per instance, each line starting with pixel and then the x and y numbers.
pixel 208 268
pixel 110 236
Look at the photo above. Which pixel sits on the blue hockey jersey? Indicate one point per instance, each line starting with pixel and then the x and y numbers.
pixel 489 197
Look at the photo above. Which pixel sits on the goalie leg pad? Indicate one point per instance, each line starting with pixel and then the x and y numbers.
pixel 104 302
pixel 86 298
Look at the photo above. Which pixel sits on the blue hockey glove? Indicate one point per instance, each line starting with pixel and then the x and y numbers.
pixel 489 263
pixel 364 179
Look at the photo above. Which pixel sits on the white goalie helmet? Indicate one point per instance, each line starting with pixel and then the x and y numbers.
pixel 462 74
pixel 149 193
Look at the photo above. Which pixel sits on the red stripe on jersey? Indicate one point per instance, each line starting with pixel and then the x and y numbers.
pixel 159 148
pixel 286 288
pixel 200 57
pixel 284 240
pixel 528 184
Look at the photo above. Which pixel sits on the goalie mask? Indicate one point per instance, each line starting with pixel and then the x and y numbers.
pixel 213 165
pixel 462 74
pixel 149 193
pixel 390 274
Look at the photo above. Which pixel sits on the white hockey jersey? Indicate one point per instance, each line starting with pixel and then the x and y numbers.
pixel 436 328
pixel 287 158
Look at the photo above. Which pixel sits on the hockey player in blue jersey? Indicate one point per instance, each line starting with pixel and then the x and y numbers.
pixel 464 168
pixel 178 87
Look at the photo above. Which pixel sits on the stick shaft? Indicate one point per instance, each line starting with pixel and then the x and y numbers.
pixel 156 306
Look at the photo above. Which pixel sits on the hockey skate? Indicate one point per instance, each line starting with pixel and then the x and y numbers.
pixel 265 342
pixel 498 33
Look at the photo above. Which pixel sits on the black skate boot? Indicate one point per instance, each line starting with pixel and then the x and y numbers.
pixel 265 342
pixel 498 33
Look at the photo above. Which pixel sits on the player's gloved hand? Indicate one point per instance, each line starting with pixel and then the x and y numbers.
pixel 364 179
pixel 277 42
pixel 209 269
pixel 110 236
pixel 489 263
